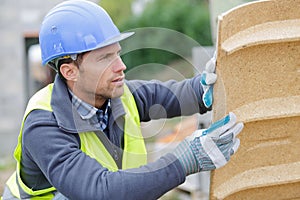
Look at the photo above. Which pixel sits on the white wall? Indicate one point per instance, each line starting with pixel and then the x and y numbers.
pixel 219 6
pixel 17 17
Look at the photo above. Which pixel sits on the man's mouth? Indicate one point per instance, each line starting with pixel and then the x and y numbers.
pixel 119 80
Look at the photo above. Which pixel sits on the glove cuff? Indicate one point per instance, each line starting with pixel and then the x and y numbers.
pixel 185 155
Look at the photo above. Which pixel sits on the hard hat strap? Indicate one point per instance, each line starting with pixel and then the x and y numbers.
pixel 54 63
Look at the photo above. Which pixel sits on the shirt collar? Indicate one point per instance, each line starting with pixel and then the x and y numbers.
pixel 85 110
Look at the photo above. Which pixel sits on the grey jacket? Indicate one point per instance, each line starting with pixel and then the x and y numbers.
pixel 51 154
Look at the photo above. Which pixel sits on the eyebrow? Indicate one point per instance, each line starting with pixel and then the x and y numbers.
pixel 107 54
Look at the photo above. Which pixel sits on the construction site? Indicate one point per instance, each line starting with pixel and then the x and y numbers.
pixel 257 50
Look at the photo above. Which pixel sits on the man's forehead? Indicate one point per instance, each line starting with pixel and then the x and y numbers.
pixel 108 49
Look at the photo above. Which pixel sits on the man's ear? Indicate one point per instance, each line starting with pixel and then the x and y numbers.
pixel 69 71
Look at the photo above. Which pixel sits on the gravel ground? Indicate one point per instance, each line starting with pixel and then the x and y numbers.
pixel 4 175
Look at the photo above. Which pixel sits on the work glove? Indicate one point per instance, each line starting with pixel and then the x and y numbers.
pixel 208 79
pixel 210 148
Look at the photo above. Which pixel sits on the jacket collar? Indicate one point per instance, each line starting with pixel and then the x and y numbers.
pixel 66 114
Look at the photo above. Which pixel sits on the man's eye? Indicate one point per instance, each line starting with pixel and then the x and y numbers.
pixel 109 56
pixel 103 58
pixel 106 57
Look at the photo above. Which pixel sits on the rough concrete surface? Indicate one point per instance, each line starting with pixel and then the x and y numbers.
pixel 258 67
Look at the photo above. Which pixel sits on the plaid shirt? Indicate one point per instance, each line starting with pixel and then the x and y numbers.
pixel 97 117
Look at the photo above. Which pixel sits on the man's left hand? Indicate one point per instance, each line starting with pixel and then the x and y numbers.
pixel 208 79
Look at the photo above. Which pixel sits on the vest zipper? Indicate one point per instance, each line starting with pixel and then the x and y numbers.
pixel 113 150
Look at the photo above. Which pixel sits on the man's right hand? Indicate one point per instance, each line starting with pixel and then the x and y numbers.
pixel 210 148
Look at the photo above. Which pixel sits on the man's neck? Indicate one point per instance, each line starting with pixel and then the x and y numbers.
pixel 92 99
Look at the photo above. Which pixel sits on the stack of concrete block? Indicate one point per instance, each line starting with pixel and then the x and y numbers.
pixel 258 67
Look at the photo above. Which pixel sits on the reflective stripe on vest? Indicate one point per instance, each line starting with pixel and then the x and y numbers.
pixel 134 154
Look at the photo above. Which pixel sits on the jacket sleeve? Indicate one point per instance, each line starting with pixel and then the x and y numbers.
pixel 156 99
pixel 77 176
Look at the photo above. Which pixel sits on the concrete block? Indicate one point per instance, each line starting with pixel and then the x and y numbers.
pixel 258 67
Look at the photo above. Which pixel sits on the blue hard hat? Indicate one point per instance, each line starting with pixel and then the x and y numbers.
pixel 76 26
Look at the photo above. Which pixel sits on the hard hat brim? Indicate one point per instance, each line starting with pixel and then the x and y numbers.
pixel 115 39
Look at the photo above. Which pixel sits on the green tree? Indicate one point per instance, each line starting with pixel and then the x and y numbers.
pixel 189 17
pixel 118 10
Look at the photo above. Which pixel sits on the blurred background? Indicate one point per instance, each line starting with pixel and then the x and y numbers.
pixel 174 39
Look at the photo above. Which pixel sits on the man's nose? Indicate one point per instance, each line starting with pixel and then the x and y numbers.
pixel 118 65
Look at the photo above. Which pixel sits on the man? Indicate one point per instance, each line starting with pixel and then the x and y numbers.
pixel 81 138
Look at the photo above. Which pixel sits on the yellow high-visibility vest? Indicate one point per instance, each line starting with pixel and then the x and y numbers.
pixel 134 153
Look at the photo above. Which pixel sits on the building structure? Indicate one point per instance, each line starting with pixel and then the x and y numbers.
pixel 19 27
